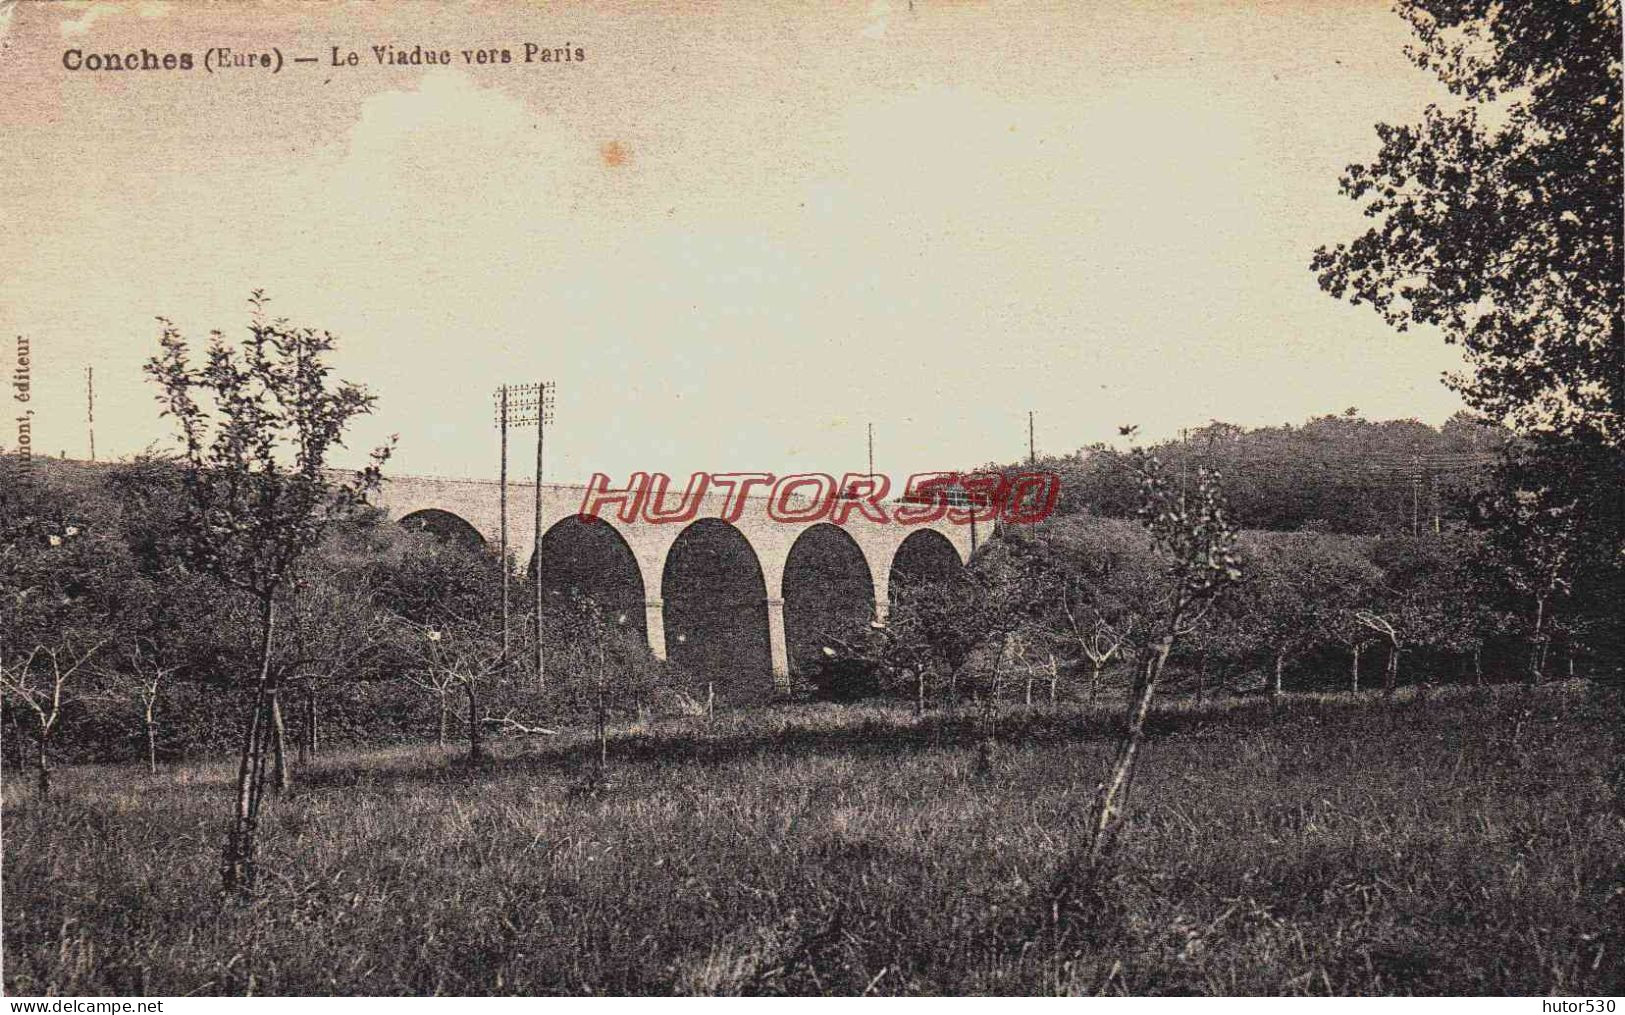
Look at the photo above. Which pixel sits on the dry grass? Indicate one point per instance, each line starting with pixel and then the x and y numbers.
pixel 1338 845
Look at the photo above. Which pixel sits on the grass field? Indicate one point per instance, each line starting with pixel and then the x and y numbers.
pixel 1466 844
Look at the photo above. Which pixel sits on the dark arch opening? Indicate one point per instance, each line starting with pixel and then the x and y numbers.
pixel 924 557
pixel 588 557
pixel 444 526
pixel 829 594
pixel 716 608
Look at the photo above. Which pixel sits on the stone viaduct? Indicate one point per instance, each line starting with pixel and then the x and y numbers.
pixel 753 596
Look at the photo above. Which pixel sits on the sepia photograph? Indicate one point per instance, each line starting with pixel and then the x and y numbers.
pixel 868 498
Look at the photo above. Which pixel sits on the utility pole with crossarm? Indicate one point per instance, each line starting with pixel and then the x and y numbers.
pixel 525 405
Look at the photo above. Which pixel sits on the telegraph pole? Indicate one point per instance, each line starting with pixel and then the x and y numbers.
pixel 1032 446
pixel 1433 490
pixel 971 500
pixel 871 451
pixel 90 408
pixel 502 500
pixel 1416 495
pixel 524 405
pixel 544 416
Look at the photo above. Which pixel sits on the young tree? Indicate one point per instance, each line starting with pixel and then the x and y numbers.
pixel 592 637
pixel 139 678
pixel 1108 573
pixel 335 630
pixel 604 666
pixel 1394 625
pixel 1347 632
pixel 448 599
pixel 1197 546
pixel 904 648
pixel 257 423
pixel 1100 641
pixel 1538 549
pixel 1424 602
pixel 60 589
pixel 1299 590
pixel 1035 651
pixel 43 681
pixel 441 682
pixel 464 657
pixel 166 627
pixel 1013 580
pixel 938 626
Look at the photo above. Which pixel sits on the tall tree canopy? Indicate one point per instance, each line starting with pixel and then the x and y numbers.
pixel 1500 221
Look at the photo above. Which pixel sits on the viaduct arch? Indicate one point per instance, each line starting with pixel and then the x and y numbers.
pixel 757 593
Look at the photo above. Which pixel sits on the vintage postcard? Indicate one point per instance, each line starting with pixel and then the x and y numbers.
pixel 877 498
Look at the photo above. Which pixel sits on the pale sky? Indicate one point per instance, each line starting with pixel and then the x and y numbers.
pixel 733 235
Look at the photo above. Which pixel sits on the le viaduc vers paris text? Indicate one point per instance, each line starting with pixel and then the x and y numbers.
pixel 388 55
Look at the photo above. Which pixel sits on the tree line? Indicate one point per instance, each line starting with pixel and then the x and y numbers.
pixel 1335 473
pixel 1053 612
pixel 383 636
pixel 117 644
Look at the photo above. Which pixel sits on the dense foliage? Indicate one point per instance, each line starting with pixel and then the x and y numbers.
pixel 1499 220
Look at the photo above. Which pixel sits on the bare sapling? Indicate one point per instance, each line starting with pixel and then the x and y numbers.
pixel 41 681
pixel 441 682
pixel 459 657
pixel 1385 627
pixel 1098 638
pixel 143 679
